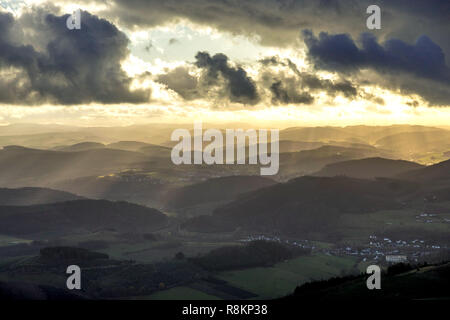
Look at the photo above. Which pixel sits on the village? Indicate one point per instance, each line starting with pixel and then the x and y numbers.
pixel 376 250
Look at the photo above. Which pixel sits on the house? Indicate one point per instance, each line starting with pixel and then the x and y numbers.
pixel 396 258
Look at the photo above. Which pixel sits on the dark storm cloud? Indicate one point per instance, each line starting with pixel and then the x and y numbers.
pixel 238 86
pixel 180 81
pixel 340 53
pixel 216 80
pixel 394 59
pixel 295 89
pixel 220 81
pixel 278 22
pixel 287 92
pixel 72 67
pixel 331 87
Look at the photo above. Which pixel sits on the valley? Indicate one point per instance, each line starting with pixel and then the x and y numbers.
pixel 344 198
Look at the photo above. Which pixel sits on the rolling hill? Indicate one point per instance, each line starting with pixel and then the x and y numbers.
pixel 322 134
pixel 82 146
pixel 371 134
pixel 128 145
pixel 153 150
pixel 19 291
pixel 216 189
pixel 21 166
pixel 32 196
pixel 78 216
pixel 49 140
pixel 133 188
pixel 305 205
pixel 436 172
pixel 426 283
pixel 33 128
pixel 368 168
pixel 309 161
pixel 409 143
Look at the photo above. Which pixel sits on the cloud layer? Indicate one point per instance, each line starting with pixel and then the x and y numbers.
pixel 71 67
pixel 42 62
pixel 423 61
pixel 278 22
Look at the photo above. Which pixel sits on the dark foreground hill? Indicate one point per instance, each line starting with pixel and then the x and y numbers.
pixel 102 277
pixel 305 205
pixel 368 168
pixel 400 283
pixel 79 216
pixel 439 171
pixel 33 196
pixel 28 291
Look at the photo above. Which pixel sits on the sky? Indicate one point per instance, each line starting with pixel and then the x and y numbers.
pixel 271 62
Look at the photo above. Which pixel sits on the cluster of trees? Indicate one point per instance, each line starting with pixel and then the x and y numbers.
pixel 141 279
pixel 416 282
pixel 64 218
pixel 70 253
pixel 255 254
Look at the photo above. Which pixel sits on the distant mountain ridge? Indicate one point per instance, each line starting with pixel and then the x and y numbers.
pixel 368 168
pixel 307 162
pixel 408 143
pixel 33 196
pixel 48 136
pixel 82 146
pixel 128 145
pixel 21 166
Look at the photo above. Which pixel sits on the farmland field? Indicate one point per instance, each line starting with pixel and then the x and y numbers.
pixel 282 278
pixel 179 293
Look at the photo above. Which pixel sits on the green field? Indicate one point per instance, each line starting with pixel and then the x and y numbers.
pixel 153 251
pixel 272 282
pixel 282 278
pixel 178 293
pixel 357 228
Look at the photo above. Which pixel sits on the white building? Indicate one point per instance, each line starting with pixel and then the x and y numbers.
pixel 396 258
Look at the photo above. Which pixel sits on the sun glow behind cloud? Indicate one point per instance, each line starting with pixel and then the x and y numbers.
pixel 157 50
pixel 343 113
